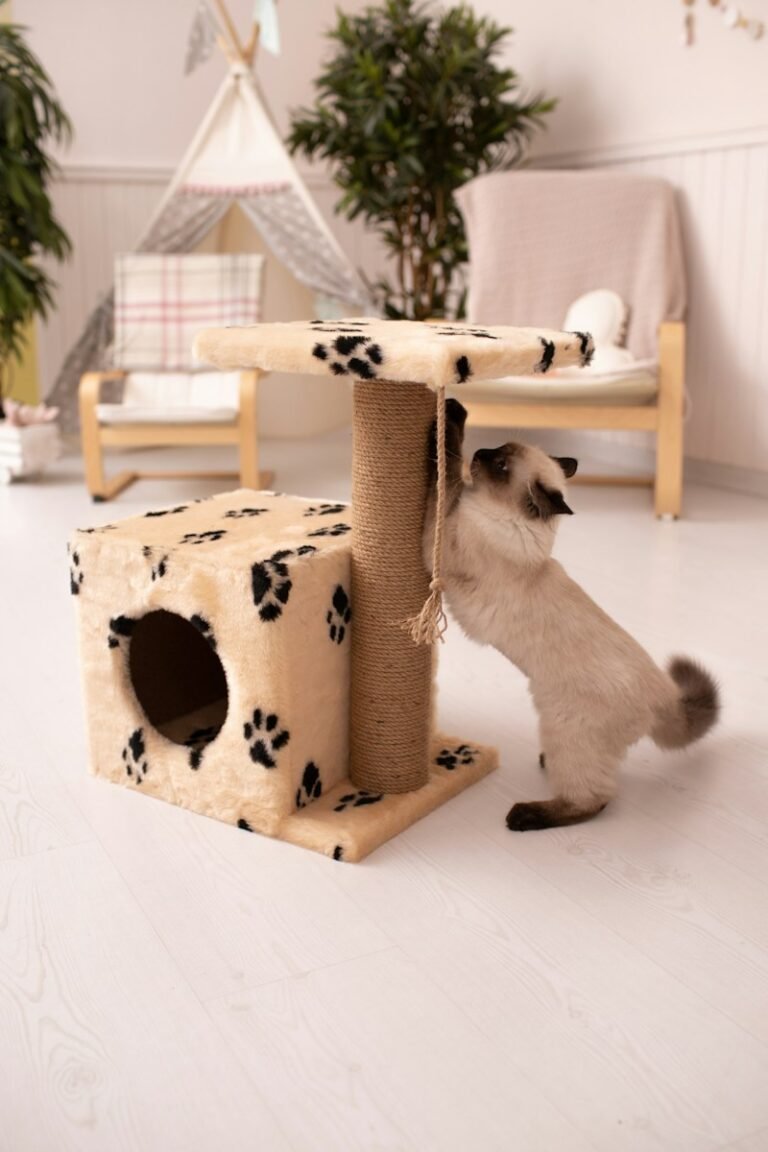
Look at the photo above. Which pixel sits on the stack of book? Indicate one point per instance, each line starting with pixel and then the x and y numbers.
pixel 25 451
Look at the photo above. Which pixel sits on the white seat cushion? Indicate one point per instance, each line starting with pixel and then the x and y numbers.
pixel 637 385
pixel 122 414
pixel 175 398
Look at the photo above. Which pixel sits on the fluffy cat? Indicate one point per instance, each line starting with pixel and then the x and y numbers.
pixel 595 689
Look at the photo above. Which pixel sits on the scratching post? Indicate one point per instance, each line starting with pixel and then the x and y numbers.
pixel 268 660
pixel 390 706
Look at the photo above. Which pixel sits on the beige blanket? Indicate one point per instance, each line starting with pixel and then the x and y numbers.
pixel 538 240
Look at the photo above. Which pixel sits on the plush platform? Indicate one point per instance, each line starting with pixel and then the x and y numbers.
pixel 403 351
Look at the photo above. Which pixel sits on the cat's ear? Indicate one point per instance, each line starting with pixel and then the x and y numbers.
pixel 547 502
pixel 568 465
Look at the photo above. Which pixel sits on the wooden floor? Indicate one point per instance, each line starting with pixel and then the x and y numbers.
pixel 169 983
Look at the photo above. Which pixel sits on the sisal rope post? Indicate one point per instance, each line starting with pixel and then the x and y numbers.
pixel 391 681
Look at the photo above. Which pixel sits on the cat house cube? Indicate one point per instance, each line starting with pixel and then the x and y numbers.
pixel 215 650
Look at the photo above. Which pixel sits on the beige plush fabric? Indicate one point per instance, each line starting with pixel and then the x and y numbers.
pixel 440 354
pixel 537 240
pixel 258 577
pixel 260 583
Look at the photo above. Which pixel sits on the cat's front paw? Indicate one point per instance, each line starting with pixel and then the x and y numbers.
pixel 455 414
pixel 455 419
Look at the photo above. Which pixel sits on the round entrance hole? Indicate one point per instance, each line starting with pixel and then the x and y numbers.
pixel 178 679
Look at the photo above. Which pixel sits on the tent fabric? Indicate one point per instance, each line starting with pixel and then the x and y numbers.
pixel 237 157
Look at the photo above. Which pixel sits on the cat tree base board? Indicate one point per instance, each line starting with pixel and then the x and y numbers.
pixel 354 832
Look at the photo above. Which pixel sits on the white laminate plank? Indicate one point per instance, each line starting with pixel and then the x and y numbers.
pixel 697 916
pixel 102 1045
pixel 371 1055
pixel 625 1050
pixel 717 796
pixel 36 812
pixel 234 909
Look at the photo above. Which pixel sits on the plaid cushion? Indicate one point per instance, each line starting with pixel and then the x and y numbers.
pixel 162 301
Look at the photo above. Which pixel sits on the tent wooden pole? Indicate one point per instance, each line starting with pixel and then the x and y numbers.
pixel 230 54
pixel 231 31
pixel 252 44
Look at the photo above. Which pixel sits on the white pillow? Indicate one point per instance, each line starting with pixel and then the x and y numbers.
pixel 602 313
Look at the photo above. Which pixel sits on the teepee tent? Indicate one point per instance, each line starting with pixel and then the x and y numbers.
pixel 236 163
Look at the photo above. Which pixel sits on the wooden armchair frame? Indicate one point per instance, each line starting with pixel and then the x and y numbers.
pixel 96 437
pixel 663 417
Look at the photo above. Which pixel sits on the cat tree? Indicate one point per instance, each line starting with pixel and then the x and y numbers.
pixel 263 659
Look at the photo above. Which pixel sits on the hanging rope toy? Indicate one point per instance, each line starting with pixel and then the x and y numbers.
pixel 429 626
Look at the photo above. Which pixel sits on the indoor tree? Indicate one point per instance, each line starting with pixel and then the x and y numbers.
pixel 31 118
pixel 411 104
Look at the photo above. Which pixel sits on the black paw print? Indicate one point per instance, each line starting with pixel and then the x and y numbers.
pixel 119 628
pixel 239 513
pixel 311 786
pixel 134 756
pixel 203 537
pixel 358 800
pixel 271 582
pixel 198 741
pixel 451 758
pixel 75 573
pixel 159 569
pixel 586 348
pixel 339 615
pixel 351 353
pixel 333 530
pixel 325 509
pixel 244 825
pixel 547 355
pixel 463 369
pixel 265 737
pixel 167 511
pixel 204 629
pixel 102 528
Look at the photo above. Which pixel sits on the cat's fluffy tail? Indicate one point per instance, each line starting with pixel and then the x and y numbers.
pixel 694 711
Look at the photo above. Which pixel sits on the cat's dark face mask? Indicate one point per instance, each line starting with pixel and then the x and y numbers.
pixel 511 473
pixel 495 464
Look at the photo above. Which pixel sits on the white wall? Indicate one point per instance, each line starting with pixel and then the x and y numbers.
pixel 118 67
pixel 622 76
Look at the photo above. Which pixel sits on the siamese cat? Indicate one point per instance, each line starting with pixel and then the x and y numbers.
pixel 595 689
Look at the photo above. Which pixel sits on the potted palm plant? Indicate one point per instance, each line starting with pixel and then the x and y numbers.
pixel 31 118
pixel 411 104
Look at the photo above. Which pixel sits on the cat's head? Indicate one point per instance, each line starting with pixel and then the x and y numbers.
pixel 518 486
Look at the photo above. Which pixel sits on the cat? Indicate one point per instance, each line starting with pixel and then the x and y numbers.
pixel 595 689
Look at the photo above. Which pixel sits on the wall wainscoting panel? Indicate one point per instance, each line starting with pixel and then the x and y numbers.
pixel 104 212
